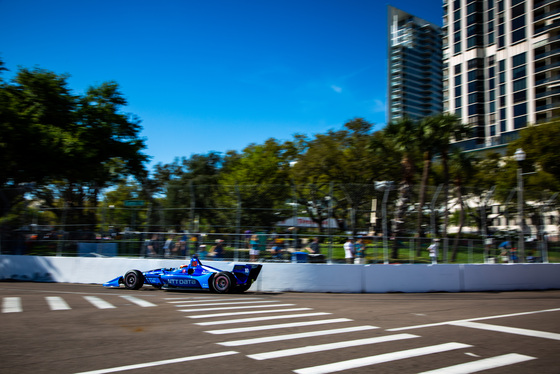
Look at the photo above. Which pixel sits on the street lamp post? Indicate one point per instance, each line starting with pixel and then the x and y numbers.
pixel 519 156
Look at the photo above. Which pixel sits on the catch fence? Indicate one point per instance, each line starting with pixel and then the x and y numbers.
pixel 194 217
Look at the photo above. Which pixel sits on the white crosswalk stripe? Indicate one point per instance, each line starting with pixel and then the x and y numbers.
pixel 230 307
pixel 139 302
pixel 226 303
pixel 99 303
pixel 302 335
pixel 279 326
pixel 11 305
pixel 258 319
pixel 484 364
pixel 57 303
pixel 330 346
pixel 232 314
pixel 187 302
pixel 378 359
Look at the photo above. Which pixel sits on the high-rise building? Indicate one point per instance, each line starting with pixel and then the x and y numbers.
pixel 501 66
pixel 414 67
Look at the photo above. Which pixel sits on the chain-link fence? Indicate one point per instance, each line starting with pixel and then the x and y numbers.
pixel 285 218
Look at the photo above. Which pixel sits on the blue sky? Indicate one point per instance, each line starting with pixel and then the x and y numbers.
pixel 216 75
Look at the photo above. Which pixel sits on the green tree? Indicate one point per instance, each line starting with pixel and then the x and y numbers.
pixel 345 158
pixel 69 146
pixel 404 134
pixel 461 168
pixel 255 183
pixel 189 186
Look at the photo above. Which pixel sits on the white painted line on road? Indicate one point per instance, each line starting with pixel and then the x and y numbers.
pixel 484 364
pixel 137 301
pixel 256 319
pixel 473 319
pixel 231 314
pixel 99 303
pixel 236 308
pixel 11 305
pixel 57 303
pixel 279 326
pixel 509 330
pixel 378 359
pixel 159 363
pixel 329 346
pixel 302 335
pixel 191 298
pixel 226 303
pixel 211 300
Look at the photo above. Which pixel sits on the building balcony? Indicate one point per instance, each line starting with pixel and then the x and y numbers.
pixel 540 3
pixel 554 105
pixel 542 27
pixel 548 93
pixel 553 81
pixel 547 67
pixel 552 52
pixel 550 14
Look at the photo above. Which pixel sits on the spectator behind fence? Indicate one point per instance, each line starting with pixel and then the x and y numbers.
pixel 433 251
pixel 254 251
pixel 349 251
pixel 218 250
pixel 359 248
pixel 314 247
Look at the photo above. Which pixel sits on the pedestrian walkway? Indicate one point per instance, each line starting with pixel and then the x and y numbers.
pixel 58 303
pixel 197 310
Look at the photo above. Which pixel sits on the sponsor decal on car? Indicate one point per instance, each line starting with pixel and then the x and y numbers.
pixel 183 282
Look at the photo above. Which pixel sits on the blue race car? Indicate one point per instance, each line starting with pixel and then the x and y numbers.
pixel 193 276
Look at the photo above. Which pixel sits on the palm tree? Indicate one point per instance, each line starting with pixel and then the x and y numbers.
pixel 428 139
pixel 449 127
pixel 404 134
pixel 462 169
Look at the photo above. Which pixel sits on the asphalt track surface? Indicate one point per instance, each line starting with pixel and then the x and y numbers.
pixel 68 328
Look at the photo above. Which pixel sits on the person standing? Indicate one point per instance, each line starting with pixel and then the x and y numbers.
pixel 218 250
pixel 433 251
pixel 313 247
pixel 349 251
pixel 254 251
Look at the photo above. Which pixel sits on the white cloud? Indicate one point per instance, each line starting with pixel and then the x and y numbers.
pixel 336 89
pixel 378 106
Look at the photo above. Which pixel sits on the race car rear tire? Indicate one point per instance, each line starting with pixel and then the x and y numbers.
pixel 222 282
pixel 133 279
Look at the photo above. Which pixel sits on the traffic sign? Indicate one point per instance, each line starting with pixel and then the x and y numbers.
pixel 134 203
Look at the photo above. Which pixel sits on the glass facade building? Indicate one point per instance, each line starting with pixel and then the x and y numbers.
pixel 501 66
pixel 414 67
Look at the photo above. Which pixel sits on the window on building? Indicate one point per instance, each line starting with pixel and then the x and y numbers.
pixel 520 96
pixel 519 72
pixel 519 109
pixel 518 35
pixel 518 60
pixel 518 10
pixel 457 47
pixel 519 84
pixel 457 68
pixel 520 122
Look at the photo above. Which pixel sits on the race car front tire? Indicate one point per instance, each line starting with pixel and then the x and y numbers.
pixel 222 282
pixel 133 279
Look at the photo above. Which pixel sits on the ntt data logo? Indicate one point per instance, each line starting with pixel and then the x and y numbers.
pixel 183 282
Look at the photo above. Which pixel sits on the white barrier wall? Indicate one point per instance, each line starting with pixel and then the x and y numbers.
pixel 284 277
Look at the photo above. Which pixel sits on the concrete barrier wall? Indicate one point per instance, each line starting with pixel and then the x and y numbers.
pixel 283 277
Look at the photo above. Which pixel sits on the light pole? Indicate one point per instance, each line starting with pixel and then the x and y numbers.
pixel 519 156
